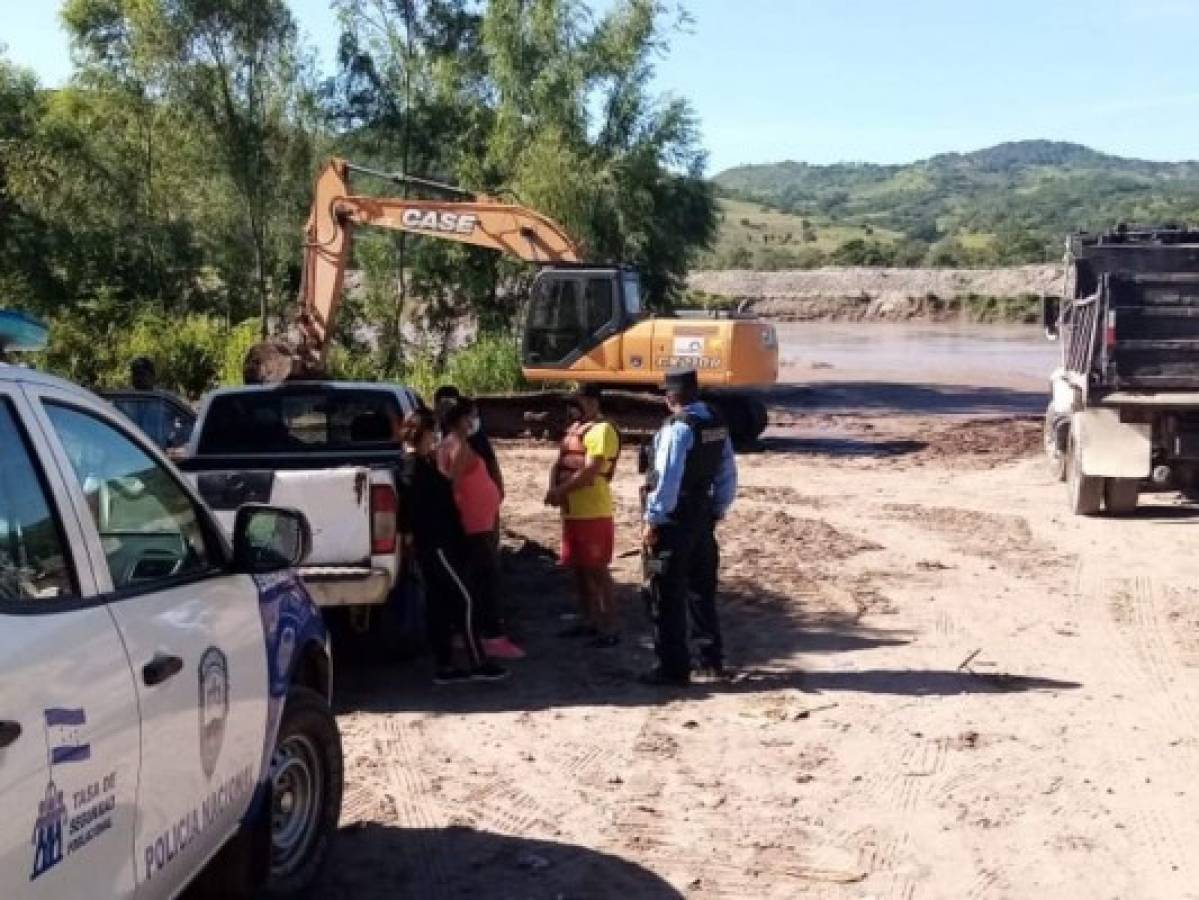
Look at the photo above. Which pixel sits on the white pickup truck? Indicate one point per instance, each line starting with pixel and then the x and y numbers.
pixel 329 449
pixel 164 692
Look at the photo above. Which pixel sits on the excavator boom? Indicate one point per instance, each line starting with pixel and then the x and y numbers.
pixel 484 222
pixel 585 322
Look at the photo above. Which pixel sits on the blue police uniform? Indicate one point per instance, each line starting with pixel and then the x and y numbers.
pixel 691 486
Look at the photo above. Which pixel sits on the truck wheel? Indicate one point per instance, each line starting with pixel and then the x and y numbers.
pixel 1086 491
pixel 1120 495
pixel 306 785
pixel 1055 435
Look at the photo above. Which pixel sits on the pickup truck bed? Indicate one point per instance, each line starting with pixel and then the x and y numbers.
pixel 325 448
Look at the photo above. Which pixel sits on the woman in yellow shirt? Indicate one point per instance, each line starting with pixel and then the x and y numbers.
pixel 579 486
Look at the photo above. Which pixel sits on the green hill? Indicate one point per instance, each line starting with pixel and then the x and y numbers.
pixel 1007 204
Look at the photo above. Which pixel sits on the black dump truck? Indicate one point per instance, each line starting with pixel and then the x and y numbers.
pixel 1124 411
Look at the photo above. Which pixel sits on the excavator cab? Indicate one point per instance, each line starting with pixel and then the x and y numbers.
pixel 573 309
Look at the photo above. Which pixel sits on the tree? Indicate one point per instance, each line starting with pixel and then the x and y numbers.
pixel 630 184
pixel 232 66
pixel 858 252
pixel 26 270
pixel 407 98
pixel 537 100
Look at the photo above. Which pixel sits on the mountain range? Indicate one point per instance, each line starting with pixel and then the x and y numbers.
pixel 1011 203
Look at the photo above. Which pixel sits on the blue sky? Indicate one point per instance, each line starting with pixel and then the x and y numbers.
pixel 879 80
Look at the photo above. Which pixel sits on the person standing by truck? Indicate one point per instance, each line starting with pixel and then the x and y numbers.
pixel 579 486
pixel 478 499
pixel 430 515
pixel 691 487
pixel 478 439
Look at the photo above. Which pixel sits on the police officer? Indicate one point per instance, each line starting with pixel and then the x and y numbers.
pixel 692 483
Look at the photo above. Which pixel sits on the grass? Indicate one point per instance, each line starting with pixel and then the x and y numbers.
pixel 987 310
pixel 976 240
pixel 760 231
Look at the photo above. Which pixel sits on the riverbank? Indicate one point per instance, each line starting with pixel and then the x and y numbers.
pixel 841 294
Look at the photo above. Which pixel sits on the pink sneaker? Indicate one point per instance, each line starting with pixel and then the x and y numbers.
pixel 502 648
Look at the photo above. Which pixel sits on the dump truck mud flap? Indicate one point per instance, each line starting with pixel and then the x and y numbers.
pixel 1111 448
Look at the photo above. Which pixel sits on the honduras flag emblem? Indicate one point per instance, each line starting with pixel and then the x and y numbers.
pixel 64 731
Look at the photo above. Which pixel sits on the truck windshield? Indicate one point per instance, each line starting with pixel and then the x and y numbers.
pixel 290 421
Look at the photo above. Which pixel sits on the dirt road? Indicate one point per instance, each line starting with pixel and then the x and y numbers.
pixel 949 688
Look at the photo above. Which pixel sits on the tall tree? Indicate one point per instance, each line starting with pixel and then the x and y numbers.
pixel 235 66
pixel 629 181
pixel 402 102
pixel 537 99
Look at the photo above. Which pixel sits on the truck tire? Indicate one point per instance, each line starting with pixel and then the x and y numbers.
pixel 1120 495
pixel 1055 442
pixel 1085 491
pixel 306 786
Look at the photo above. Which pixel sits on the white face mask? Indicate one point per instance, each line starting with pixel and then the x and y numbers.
pixel 475 425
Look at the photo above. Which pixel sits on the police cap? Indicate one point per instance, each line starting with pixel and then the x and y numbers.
pixel 681 381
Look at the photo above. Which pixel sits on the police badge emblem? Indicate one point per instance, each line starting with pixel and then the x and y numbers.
pixel 214 706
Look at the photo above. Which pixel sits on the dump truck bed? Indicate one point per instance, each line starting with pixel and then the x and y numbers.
pixel 1133 322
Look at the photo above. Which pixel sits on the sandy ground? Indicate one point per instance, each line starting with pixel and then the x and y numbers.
pixel 947 687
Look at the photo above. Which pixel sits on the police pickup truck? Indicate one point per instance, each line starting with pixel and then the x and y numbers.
pixel 164 691
pixel 329 449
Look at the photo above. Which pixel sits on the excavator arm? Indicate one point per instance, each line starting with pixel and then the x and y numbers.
pixel 480 222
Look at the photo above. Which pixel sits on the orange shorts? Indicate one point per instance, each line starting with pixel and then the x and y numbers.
pixel 587 543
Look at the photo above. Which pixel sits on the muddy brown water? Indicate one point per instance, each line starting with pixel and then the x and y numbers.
pixel 1016 356
pixel 885 368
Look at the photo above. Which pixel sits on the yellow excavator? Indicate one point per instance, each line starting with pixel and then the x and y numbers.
pixel 585 322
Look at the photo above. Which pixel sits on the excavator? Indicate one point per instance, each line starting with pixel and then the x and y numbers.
pixel 585 322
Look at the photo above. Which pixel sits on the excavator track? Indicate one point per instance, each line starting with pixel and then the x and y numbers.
pixel 637 414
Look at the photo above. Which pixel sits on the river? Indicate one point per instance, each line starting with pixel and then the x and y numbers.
pixel 985 356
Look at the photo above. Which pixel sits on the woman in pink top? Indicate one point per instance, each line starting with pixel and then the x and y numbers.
pixel 478 499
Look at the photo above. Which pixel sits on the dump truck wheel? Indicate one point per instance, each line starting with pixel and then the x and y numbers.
pixel 1085 491
pixel 1056 437
pixel 1120 495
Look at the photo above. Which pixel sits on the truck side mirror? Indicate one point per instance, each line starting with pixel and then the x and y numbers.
pixel 269 538
pixel 1050 311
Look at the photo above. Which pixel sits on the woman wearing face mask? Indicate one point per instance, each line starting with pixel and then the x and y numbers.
pixel 478 440
pixel 430 517
pixel 478 499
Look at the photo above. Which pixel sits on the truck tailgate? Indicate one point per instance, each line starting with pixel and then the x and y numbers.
pixel 336 502
pixel 1153 326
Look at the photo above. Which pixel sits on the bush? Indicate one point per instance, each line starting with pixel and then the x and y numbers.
pixel 490 364
pixel 94 344
pixel 858 252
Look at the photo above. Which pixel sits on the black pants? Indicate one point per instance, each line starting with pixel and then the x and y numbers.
pixel 484 563
pixel 705 620
pixel 449 606
pixel 683 587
